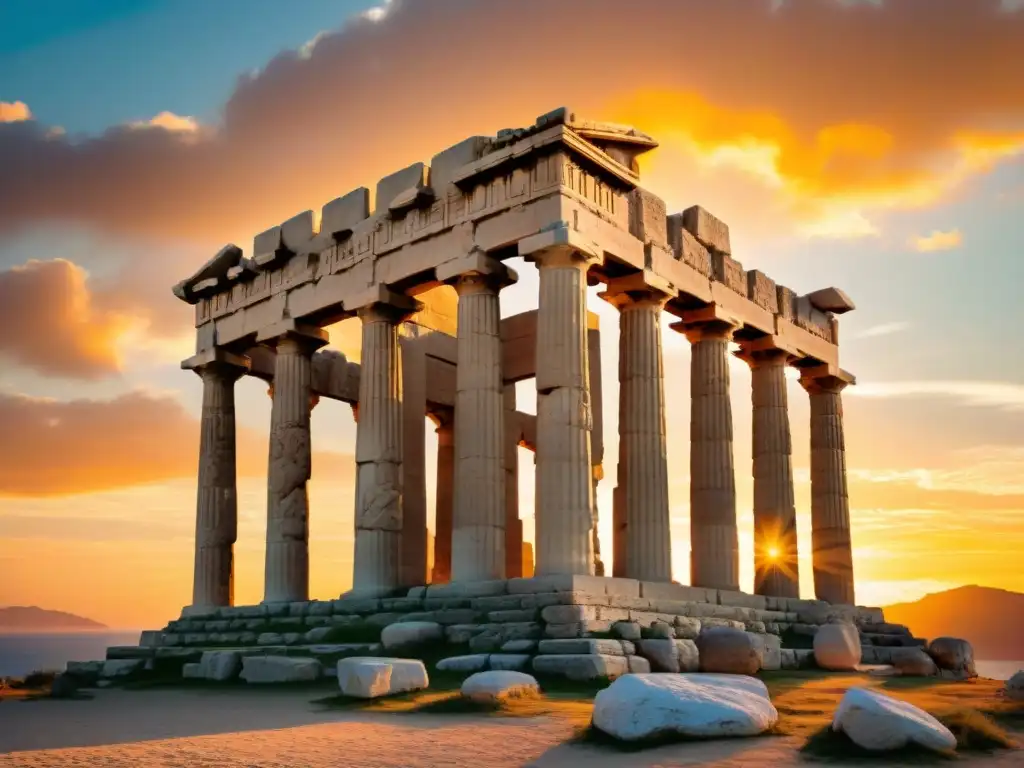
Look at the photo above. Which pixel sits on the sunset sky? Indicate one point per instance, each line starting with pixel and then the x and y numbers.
pixel 874 145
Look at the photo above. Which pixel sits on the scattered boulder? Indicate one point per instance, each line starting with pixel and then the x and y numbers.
pixel 220 665
pixel 879 723
pixel 951 654
pixel 837 647
pixel 771 651
pixel 368 677
pixel 913 662
pixel 279 669
pixel 471 663
pixel 728 651
pixel 1015 686
pixel 497 686
pixel 411 633
pixel 638 707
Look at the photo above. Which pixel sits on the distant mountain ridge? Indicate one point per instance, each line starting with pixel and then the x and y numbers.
pixel 992 620
pixel 18 618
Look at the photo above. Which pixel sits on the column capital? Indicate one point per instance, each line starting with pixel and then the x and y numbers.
pixel 825 379
pixel 715 330
pixel 560 247
pixel 443 418
pixel 476 272
pixel 638 289
pixel 767 350
pixel 309 337
pixel 381 304
pixel 218 359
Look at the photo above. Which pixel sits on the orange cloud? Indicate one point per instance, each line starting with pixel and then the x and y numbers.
pixel 14 112
pixel 169 121
pixel 937 240
pixel 830 129
pixel 84 446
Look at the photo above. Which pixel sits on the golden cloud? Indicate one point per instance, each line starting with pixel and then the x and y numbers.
pixel 169 121
pixel 14 112
pixel 937 240
pixel 808 123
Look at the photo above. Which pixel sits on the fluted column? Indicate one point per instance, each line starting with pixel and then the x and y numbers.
pixel 643 473
pixel 564 496
pixel 776 570
pixel 513 524
pixel 378 513
pixel 286 568
pixel 830 504
pixel 213 581
pixel 478 527
pixel 714 540
pixel 444 497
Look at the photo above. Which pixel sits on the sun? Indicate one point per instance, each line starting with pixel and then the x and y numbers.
pixel 773 553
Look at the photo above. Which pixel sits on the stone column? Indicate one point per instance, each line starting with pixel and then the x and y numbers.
pixel 213 582
pixel 378 513
pixel 286 572
pixel 565 489
pixel 513 525
pixel 714 540
pixel 444 496
pixel 830 504
pixel 478 527
pixel 642 436
pixel 776 569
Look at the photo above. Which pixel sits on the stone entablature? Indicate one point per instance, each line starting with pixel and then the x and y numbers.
pixel 487 195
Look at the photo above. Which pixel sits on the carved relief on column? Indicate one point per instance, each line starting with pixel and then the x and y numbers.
pixel 565 487
pixel 478 527
pixel 378 513
pixel 832 549
pixel 286 573
pixel 776 569
pixel 217 496
pixel 642 435
pixel 444 498
pixel 714 538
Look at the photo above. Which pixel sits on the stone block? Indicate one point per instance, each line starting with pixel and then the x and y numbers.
pixel 519 646
pixel 299 230
pixel 459 634
pixel 340 216
pixel 762 290
pixel 562 631
pixel 151 639
pixel 519 615
pixel 606 613
pixel 486 641
pixel 467 589
pixel 729 273
pixel 587 585
pixel 647 618
pixel 687 628
pixel 130 652
pixel 470 663
pixel 192 670
pixel 710 231
pixel 279 669
pixel 389 187
pixel 647 218
pixel 369 677
pixel 220 665
pixel 384 619
pixel 658 591
pixel 361 605
pixel 401 604
pixel 687 248
pixel 581 667
pixel 521 630
pixel 587 646
pixel 755 626
pixel 497 603
pixel 509 661
pixel 444 164
pixel 564 614
pixel 121 667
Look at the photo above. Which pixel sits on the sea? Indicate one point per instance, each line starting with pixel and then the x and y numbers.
pixel 24 653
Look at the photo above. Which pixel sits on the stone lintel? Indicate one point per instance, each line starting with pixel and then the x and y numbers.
pixel 710 320
pixel 340 216
pixel 755 350
pixel 215 355
pixel 282 329
pixel 561 238
pixel 636 287
pixel 476 263
pixel 268 248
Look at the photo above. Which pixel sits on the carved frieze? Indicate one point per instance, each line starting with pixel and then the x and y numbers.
pixel 729 272
pixel 762 291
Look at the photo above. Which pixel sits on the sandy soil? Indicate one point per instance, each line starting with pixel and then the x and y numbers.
pixel 272 729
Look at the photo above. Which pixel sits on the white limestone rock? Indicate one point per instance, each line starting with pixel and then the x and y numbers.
pixel 472 663
pixel 411 633
pixel 953 655
pixel 638 707
pixel 879 723
pixel 837 647
pixel 121 667
pixel 581 666
pixel 1015 686
pixel 771 651
pixel 667 655
pixel 730 651
pixel 368 677
pixel 279 669
pixel 496 686
pixel 220 665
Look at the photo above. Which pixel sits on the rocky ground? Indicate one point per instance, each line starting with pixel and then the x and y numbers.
pixel 311 726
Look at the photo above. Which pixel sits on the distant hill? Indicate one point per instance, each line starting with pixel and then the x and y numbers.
pixel 32 619
pixel 991 619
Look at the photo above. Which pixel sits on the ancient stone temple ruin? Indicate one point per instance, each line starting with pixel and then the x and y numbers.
pixel 421 263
